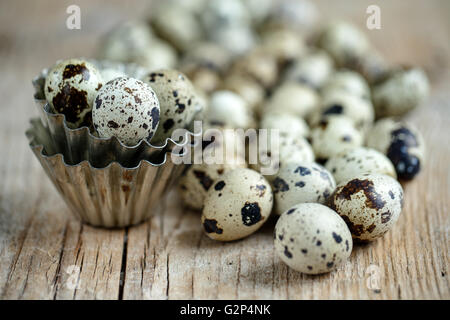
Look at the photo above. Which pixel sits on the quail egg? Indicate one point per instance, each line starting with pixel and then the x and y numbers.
pixel 357 161
pixel 258 65
pixel 312 238
pixel 125 39
pixel 222 144
pixel 344 42
pixel 178 100
pixel 287 124
pixel 236 205
pixel 228 108
pixel 372 66
pixel 177 26
pixel 298 182
pixel 198 179
pixel 341 103
pixel 284 44
pixel 204 63
pixel 348 81
pixel 312 70
pixel 128 109
pixel 236 39
pixel 207 55
pixel 271 156
pixel 293 98
pixel 402 143
pixel 334 135
pixel 370 204
pixel 401 92
pixel 249 89
pixel 70 88
pixel 158 55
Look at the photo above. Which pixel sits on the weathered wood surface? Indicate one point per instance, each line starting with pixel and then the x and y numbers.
pixel 46 254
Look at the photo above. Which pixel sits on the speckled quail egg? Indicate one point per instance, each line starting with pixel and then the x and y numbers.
pixel 125 39
pixel 158 55
pixel 293 98
pixel 236 39
pixel 341 103
pixel 258 65
pixel 298 182
pixel 357 161
pixel 372 66
pixel 237 205
pixel 271 157
pixel 312 70
pixel 334 135
pixel 177 98
pixel 128 109
pixel 284 44
pixel 204 64
pixel 344 42
pixel 198 179
pixel 177 26
pixel 370 204
pixel 228 108
pixel 300 15
pixel 70 88
pixel 207 55
pixel 249 89
pixel 348 81
pixel 287 124
pixel 402 143
pixel 401 92
pixel 222 144
pixel 312 238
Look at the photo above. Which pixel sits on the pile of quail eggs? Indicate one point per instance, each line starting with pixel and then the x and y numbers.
pixel 265 65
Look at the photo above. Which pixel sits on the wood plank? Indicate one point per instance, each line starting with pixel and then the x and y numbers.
pixel 46 254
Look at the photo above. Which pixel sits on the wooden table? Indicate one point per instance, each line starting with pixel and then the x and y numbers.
pixel 46 254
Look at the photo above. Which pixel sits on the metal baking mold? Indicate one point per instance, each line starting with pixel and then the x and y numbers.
pixel 112 196
pixel 77 145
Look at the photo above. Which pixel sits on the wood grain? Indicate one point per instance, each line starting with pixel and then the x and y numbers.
pixel 46 254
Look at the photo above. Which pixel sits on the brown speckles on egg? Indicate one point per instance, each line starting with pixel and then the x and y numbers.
pixel 251 213
pixel 309 249
pixel 243 193
pixel 72 70
pixel 373 199
pixel 304 182
pixel 70 88
pixel 112 124
pixel 219 185
pixel 199 178
pixel 173 91
pixel 72 103
pixel 168 124
pixel 210 226
pixel 358 161
pixel 129 115
pixel 203 178
pixel 367 206
pixel 280 185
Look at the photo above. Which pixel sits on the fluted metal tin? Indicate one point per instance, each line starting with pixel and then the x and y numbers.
pixel 112 196
pixel 77 145
pixel 104 182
